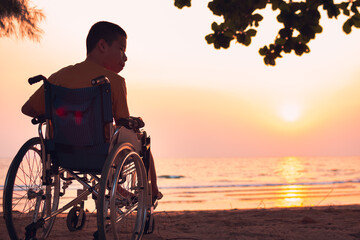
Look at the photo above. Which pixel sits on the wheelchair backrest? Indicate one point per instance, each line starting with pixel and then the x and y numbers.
pixel 78 118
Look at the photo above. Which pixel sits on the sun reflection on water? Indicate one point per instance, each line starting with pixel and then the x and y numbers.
pixel 291 196
pixel 291 170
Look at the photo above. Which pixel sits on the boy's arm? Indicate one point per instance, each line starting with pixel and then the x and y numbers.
pixel 35 106
pixel 119 99
pixel 28 110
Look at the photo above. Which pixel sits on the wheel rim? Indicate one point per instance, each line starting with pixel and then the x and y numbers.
pixel 24 192
pixel 27 184
pixel 124 203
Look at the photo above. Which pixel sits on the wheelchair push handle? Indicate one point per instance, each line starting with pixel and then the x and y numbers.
pixel 99 80
pixel 38 119
pixel 36 79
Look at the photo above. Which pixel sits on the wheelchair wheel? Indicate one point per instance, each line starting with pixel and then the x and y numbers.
pixel 149 224
pixel 75 219
pixel 24 194
pixel 122 195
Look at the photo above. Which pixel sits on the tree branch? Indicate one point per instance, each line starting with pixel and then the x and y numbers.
pixel 240 21
pixel 18 19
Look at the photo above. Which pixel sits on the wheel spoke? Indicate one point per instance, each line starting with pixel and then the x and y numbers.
pixel 25 175
pixel 123 217
pixel 23 186
pixel 30 169
pixel 14 205
pixel 26 203
pixel 30 205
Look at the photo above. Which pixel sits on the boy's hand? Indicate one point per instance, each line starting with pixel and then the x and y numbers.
pixel 137 122
pixel 134 123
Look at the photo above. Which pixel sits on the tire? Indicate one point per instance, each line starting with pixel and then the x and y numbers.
pixel 123 195
pixel 149 224
pixel 75 219
pixel 23 188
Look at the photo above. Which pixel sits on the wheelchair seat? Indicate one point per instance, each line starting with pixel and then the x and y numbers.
pixel 78 118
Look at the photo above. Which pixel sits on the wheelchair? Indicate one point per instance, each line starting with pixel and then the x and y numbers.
pixel 72 146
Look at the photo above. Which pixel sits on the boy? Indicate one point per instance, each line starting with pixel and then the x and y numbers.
pixel 105 46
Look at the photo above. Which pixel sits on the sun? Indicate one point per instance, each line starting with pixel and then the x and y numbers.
pixel 290 112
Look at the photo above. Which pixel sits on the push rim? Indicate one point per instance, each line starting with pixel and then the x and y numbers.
pixel 123 196
pixel 23 196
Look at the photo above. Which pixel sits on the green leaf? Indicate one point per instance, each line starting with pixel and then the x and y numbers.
pixel 280 41
pixel 354 9
pixel 343 5
pixel 275 4
pixel 356 23
pixel 303 39
pixel 284 7
pixel 240 38
pixel 261 4
pixel 215 26
pixel 272 61
pixel 285 32
pixel 288 46
pixel 312 4
pixel 229 34
pixel 182 3
pixel 257 17
pixel 224 41
pixel 307 49
pixel 280 18
pixel 263 51
pixel 356 17
pixel 214 7
pixel 251 32
pixel 210 38
pixel 266 61
pixel 347 26
pixel 307 31
pixel 247 41
pixel 317 29
pixel 299 50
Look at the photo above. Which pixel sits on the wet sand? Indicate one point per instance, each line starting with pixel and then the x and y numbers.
pixel 322 223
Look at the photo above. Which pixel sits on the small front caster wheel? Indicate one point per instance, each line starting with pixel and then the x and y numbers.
pixel 75 219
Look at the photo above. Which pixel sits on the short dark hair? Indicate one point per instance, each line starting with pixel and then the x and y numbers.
pixel 103 30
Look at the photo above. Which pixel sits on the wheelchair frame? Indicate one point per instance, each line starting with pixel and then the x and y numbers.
pixel 122 160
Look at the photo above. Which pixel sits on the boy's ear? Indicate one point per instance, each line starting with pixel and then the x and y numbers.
pixel 102 45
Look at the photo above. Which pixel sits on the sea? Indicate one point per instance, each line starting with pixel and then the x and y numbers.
pixel 248 183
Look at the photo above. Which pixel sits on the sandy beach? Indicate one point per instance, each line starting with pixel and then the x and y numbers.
pixel 322 223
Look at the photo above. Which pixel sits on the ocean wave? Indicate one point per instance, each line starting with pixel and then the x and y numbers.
pixel 260 184
pixel 240 185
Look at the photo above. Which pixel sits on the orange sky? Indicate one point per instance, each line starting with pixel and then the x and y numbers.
pixel 198 101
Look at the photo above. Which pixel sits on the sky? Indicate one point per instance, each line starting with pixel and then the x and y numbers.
pixel 197 101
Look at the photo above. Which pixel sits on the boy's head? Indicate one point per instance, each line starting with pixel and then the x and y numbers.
pixel 103 30
pixel 106 43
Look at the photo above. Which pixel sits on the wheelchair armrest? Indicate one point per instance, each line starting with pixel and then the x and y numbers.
pixel 134 123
